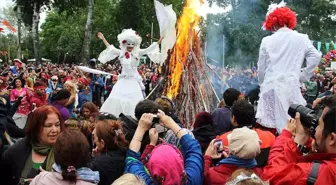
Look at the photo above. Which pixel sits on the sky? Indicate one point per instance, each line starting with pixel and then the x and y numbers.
pixel 205 9
pixel 6 3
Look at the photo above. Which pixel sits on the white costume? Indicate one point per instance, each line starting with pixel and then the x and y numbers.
pixel 127 92
pixel 280 60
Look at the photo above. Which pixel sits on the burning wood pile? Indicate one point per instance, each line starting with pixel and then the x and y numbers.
pixel 186 80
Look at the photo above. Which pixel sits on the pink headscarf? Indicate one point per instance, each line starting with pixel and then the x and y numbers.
pixel 166 165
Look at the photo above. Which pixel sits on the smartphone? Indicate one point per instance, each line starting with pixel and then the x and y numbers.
pixel 219 145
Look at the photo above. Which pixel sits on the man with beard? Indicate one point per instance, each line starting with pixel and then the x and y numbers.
pixel 39 97
pixel 286 162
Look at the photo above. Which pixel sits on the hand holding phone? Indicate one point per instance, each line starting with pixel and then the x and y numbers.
pixel 219 146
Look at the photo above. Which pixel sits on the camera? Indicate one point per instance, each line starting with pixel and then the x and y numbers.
pixel 308 117
pixel 156 120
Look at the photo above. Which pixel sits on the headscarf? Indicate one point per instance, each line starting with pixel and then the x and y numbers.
pixel 166 165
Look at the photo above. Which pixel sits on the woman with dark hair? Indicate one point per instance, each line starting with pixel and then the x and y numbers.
pixel 72 154
pixel 21 162
pixel 89 111
pixel 29 83
pixel 21 91
pixel 60 100
pixel 110 151
pixel 204 131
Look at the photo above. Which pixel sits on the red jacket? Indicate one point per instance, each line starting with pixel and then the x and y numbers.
pixel 219 175
pixel 286 165
pixel 38 100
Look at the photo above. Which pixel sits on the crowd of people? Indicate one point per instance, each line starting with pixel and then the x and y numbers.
pixel 53 129
pixel 67 140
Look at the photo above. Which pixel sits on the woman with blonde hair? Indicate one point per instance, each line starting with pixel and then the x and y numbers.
pixel 71 87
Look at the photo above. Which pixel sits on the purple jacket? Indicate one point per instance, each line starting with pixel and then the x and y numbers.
pixel 63 110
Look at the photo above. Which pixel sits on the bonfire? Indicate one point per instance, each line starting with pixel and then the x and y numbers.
pixel 187 81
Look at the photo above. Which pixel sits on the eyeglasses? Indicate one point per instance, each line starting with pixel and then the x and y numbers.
pixel 54 80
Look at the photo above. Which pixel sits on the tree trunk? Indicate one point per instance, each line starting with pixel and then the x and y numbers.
pixel 19 53
pixel 36 41
pixel 88 34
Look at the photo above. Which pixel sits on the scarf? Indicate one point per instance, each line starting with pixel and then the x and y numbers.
pixel 45 150
pixel 85 174
pixel 236 161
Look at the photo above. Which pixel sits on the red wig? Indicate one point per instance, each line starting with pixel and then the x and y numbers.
pixel 280 17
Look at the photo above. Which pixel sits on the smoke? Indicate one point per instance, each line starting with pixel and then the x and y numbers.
pixel 229 46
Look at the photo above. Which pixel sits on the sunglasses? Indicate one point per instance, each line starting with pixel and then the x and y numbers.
pixel 54 80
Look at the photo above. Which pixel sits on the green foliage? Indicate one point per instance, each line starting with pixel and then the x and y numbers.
pixel 64 33
pixel 242 27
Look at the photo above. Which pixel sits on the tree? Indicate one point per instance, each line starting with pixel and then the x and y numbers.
pixel 31 10
pixel 88 33
pixel 62 33
pixel 242 27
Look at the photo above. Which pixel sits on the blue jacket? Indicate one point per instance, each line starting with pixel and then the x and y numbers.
pixel 193 162
pixel 84 96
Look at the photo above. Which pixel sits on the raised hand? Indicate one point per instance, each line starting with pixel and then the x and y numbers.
pixel 165 120
pixel 100 36
pixel 145 121
pixel 153 136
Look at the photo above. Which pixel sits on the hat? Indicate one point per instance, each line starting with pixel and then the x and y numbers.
pixel 202 119
pixel 244 143
pixel 83 81
pixel 61 95
pixel 166 165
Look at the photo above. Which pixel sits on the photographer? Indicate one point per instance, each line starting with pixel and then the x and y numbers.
pixel 166 164
pixel 286 163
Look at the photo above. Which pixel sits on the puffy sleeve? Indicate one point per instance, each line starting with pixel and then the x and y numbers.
pixel 108 54
pixel 153 52
pixel 262 62
pixel 313 58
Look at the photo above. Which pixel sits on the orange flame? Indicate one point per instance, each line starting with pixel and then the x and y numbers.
pixel 186 29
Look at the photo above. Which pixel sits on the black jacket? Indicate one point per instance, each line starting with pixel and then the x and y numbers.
pixel 13 161
pixel 204 135
pixel 110 166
